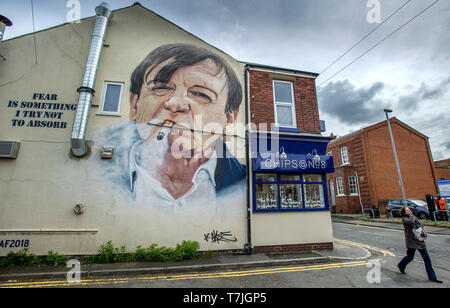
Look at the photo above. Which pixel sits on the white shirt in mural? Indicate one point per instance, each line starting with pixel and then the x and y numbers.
pixel 149 190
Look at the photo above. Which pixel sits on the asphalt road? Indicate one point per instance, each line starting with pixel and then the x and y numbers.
pixel 381 273
pixel 393 240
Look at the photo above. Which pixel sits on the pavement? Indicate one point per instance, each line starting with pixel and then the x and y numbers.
pixel 343 251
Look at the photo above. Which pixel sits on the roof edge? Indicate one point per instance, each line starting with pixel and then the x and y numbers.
pixel 395 119
pixel 277 69
pixel 66 23
pixel 377 125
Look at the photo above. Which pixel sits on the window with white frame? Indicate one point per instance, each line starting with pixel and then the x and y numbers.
pixel 353 185
pixel 344 156
pixel 284 105
pixel 340 186
pixel 330 153
pixel 112 97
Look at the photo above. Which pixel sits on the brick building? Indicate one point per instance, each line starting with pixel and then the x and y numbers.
pixel 289 191
pixel 365 170
pixel 305 114
pixel 442 169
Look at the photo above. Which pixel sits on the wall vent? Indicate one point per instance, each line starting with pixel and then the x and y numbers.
pixel 9 149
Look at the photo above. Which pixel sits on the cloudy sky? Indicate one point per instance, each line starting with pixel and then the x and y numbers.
pixel 409 72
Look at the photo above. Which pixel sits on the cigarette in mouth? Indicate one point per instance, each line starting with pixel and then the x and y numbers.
pixel 166 128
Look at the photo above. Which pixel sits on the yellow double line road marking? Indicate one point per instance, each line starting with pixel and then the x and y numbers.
pixel 231 274
pixel 382 251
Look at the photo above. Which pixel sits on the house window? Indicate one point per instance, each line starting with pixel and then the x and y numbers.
pixel 112 97
pixel 340 187
pixel 330 153
pixel 344 156
pixel 353 185
pixel 289 192
pixel 284 104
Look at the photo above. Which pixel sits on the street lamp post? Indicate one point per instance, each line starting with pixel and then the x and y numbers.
pixel 387 111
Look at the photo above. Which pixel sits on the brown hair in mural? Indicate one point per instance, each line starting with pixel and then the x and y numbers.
pixel 185 55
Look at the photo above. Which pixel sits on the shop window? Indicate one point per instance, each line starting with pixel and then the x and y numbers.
pixel 314 196
pixel 344 156
pixel 266 177
pixel 284 104
pixel 266 196
pixel 112 96
pixel 291 196
pixel 289 192
pixel 340 187
pixel 353 186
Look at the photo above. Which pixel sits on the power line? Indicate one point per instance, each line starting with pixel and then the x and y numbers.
pixel 377 44
pixel 365 37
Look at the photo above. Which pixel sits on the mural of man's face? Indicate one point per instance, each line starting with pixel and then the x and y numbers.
pixel 193 99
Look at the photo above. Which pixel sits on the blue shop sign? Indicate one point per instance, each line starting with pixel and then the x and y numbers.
pixel 291 154
pixel 309 163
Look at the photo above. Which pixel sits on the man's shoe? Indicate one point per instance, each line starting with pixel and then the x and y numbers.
pixel 435 280
pixel 401 270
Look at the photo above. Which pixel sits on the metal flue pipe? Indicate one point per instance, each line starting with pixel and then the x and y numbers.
pixel 4 22
pixel 86 91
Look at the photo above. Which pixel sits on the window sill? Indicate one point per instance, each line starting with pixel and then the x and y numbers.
pixel 280 127
pixel 108 114
pixel 340 195
pixel 289 129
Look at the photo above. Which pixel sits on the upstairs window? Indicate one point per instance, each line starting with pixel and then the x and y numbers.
pixel 344 156
pixel 112 97
pixel 284 104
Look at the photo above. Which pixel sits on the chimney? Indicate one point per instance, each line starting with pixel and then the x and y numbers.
pixel 4 22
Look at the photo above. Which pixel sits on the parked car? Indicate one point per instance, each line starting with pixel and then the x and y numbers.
pixel 418 207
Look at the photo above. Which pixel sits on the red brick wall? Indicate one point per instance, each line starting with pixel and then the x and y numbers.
pixel 262 104
pixel 442 173
pixel 442 169
pixel 349 203
pixel 414 159
pixel 293 248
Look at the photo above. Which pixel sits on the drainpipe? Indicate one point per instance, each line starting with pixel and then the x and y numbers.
pixel 78 144
pixel 359 193
pixel 248 245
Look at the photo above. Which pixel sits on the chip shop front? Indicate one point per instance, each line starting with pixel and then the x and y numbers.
pixel 289 189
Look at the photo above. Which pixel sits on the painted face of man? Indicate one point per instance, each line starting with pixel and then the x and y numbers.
pixel 194 99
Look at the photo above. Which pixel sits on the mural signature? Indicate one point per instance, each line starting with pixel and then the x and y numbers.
pixel 217 237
